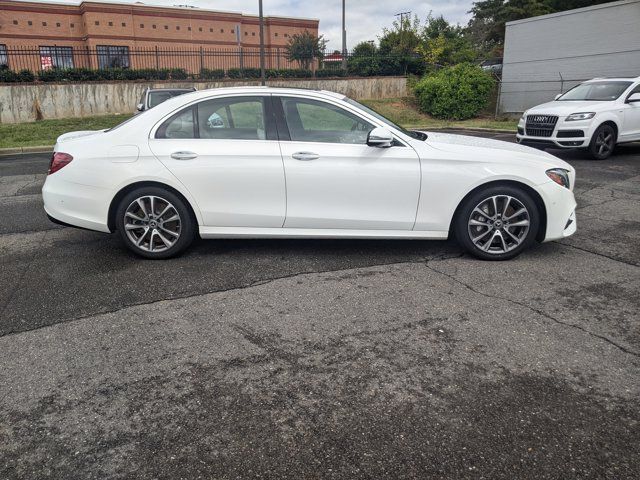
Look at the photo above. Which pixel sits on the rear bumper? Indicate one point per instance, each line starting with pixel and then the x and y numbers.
pixel 75 205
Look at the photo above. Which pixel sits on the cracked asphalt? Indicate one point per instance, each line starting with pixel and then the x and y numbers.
pixel 321 359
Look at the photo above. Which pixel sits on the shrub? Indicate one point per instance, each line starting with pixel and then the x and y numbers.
pixel 9 76
pixel 331 72
pixel 209 74
pixel 457 92
pixel 243 73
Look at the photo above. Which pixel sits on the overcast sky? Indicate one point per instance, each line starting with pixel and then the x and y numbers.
pixel 365 18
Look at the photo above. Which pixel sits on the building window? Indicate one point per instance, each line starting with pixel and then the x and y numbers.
pixel 233 31
pixel 15 22
pixel 73 25
pixel 222 30
pixel 142 25
pixel 253 34
pixel 211 30
pixel 111 24
pixel 30 23
pixel 59 57
pixel 4 58
pixel 200 29
pixel 246 33
pixel 166 27
pixel 111 56
pixel 97 22
pixel 44 24
pixel 177 27
pixel 58 24
pixel 124 24
pixel 189 28
pixel 153 26
pixel 276 34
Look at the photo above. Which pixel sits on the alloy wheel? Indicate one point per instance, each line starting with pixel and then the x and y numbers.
pixel 152 223
pixel 604 142
pixel 499 224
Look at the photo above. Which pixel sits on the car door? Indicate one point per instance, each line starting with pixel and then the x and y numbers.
pixel 225 151
pixel 334 179
pixel 631 125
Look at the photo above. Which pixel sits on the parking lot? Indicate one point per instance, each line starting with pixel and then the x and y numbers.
pixel 321 358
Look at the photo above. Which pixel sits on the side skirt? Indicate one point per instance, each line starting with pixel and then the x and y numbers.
pixel 248 232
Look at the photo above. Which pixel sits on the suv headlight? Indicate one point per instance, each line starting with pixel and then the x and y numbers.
pixel 560 176
pixel 580 116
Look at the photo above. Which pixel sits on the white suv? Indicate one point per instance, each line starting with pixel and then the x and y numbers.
pixel 595 115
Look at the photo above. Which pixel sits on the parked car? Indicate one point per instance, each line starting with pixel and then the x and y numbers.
pixel 595 115
pixel 493 65
pixel 152 97
pixel 276 162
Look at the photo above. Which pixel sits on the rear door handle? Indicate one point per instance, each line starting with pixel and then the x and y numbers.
pixel 305 156
pixel 184 155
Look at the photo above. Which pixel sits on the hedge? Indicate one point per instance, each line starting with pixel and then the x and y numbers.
pixel 456 93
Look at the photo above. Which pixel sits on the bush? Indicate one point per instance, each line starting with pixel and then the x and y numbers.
pixel 243 73
pixel 9 76
pixel 331 72
pixel 209 74
pixel 456 93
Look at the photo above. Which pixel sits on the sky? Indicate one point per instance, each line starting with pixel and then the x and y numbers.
pixel 365 18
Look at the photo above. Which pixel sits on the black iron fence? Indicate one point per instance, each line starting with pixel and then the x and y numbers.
pixel 45 63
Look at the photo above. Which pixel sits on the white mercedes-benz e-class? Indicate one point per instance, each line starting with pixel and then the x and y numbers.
pixel 271 162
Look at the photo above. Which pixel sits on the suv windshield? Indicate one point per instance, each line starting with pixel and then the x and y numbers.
pixel 412 134
pixel 596 91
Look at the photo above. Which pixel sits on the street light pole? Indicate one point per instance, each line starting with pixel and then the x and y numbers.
pixel 262 74
pixel 344 36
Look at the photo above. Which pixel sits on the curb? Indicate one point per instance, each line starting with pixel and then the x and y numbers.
pixel 20 150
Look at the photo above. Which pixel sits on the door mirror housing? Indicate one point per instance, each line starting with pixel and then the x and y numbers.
pixel 557 96
pixel 380 137
pixel 634 98
pixel 140 107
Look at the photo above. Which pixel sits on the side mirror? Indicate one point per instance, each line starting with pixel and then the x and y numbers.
pixel 380 137
pixel 634 98
pixel 558 96
pixel 140 107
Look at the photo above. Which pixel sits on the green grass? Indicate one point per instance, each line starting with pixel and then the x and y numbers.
pixel 399 110
pixel 45 132
pixel 403 112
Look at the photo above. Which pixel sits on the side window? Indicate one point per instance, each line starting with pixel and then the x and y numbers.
pixel 316 121
pixel 237 118
pixel 180 125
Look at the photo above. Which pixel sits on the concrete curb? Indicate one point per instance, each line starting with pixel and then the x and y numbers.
pixel 19 150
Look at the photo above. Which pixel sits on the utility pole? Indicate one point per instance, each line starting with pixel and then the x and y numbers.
pixel 262 74
pixel 402 15
pixel 344 36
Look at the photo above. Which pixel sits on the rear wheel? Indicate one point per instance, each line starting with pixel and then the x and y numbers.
pixel 155 223
pixel 497 223
pixel 602 142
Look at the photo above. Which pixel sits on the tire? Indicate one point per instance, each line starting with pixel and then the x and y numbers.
pixel 165 233
pixel 602 143
pixel 476 232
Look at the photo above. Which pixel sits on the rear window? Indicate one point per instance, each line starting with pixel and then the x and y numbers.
pixel 156 98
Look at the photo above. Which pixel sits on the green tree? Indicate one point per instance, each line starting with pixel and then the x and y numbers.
pixel 398 46
pixel 445 44
pixel 364 60
pixel 304 48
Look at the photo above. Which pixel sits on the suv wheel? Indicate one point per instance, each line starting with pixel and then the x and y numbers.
pixel 497 223
pixel 603 142
pixel 155 223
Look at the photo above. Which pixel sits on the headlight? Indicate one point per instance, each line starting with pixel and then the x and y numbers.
pixel 580 116
pixel 560 176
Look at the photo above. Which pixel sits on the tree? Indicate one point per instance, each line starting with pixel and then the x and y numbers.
pixel 364 60
pixel 304 48
pixel 398 45
pixel 444 44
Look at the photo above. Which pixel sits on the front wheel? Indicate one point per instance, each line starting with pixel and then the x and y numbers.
pixel 155 223
pixel 602 142
pixel 497 223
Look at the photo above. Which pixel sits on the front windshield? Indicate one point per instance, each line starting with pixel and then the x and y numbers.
pixel 416 135
pixel 596 91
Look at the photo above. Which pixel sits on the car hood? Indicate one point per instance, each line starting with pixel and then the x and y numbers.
pixel 565 108
pixel 461 144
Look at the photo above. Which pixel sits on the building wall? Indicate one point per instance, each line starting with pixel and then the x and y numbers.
pixel 27 103
pixel 35 24
pixel 547 55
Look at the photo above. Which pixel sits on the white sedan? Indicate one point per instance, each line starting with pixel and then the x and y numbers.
pixel 271 162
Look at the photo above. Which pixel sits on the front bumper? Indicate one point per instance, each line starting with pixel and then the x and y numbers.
pixel 564 135
pixel 560 204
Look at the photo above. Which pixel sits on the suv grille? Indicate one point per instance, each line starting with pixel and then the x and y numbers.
pixel 541 125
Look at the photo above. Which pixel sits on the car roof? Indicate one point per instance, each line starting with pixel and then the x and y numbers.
pixel 260 89
pixel 614 79
pixel 180 89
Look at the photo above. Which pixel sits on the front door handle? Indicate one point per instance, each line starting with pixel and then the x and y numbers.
pixel 305 156
pixel 184 155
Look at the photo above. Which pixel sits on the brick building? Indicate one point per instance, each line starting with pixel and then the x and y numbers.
pixel 100 34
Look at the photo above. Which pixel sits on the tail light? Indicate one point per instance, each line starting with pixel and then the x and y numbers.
pixel 58 160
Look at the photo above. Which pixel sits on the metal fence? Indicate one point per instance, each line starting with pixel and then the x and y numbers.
pixel 192 60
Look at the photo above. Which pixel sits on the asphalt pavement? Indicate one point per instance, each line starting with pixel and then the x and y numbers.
pixel 321 358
